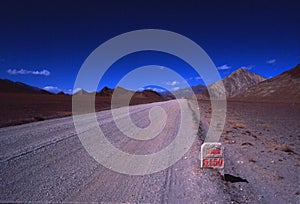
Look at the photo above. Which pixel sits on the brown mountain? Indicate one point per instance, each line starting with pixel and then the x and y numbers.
pixel 123 92
pixel 61 93
pixel 237 82
pixel 20 103
pixel 282 88
pixel 105 92
pixel 108 92
pixel 81 92
pixel 7 86
pixel 185 92
pixel 148 94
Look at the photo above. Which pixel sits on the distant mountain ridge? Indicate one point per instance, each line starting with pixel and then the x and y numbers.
pixel 284 87
pixel 240 85
pixel 108 92
pixel 7 86
pixel 185 92
pixel 105 92
pixel 236 83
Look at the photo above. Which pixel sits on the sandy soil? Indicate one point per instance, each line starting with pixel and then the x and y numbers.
pixel 20 108
pixel 262 145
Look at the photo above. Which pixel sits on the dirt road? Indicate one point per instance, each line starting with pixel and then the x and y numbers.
pixel 45 161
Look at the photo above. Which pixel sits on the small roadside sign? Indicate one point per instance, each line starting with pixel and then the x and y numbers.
pixel 212 155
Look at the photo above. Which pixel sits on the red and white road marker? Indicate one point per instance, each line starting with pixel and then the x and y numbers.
pixel 212 155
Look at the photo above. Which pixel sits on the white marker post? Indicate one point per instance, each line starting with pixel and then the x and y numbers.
pixel 212 155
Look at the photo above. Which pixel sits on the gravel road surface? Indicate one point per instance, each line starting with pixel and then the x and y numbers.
pixel 45 161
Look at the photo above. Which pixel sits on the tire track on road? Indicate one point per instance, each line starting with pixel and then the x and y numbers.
pixel 61 170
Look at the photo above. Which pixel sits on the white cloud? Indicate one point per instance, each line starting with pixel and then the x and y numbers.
pixel 52 89
pixel 189 79
pixel 25 72
pixel 76 90
pixel 155 89
pixel 69 91
pixel 271 61
pixel 175 88
pixel 249 67
pixel 158 90
pixel 224 67
pixel 172 83
pixel 162 68
pixel 43 72
pixel 193 79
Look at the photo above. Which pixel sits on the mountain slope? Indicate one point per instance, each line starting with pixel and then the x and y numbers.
pixel 105 92
pixel 237 82
pixel 148 94
pixel 185 92
pixel 81 92
pixel 284 87
pixel 108 92
pixel 7 86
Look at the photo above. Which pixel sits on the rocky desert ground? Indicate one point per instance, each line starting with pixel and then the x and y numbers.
pixel 262 145
pixel 18 107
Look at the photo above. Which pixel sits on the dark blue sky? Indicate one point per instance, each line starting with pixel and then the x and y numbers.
pixel 57 36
